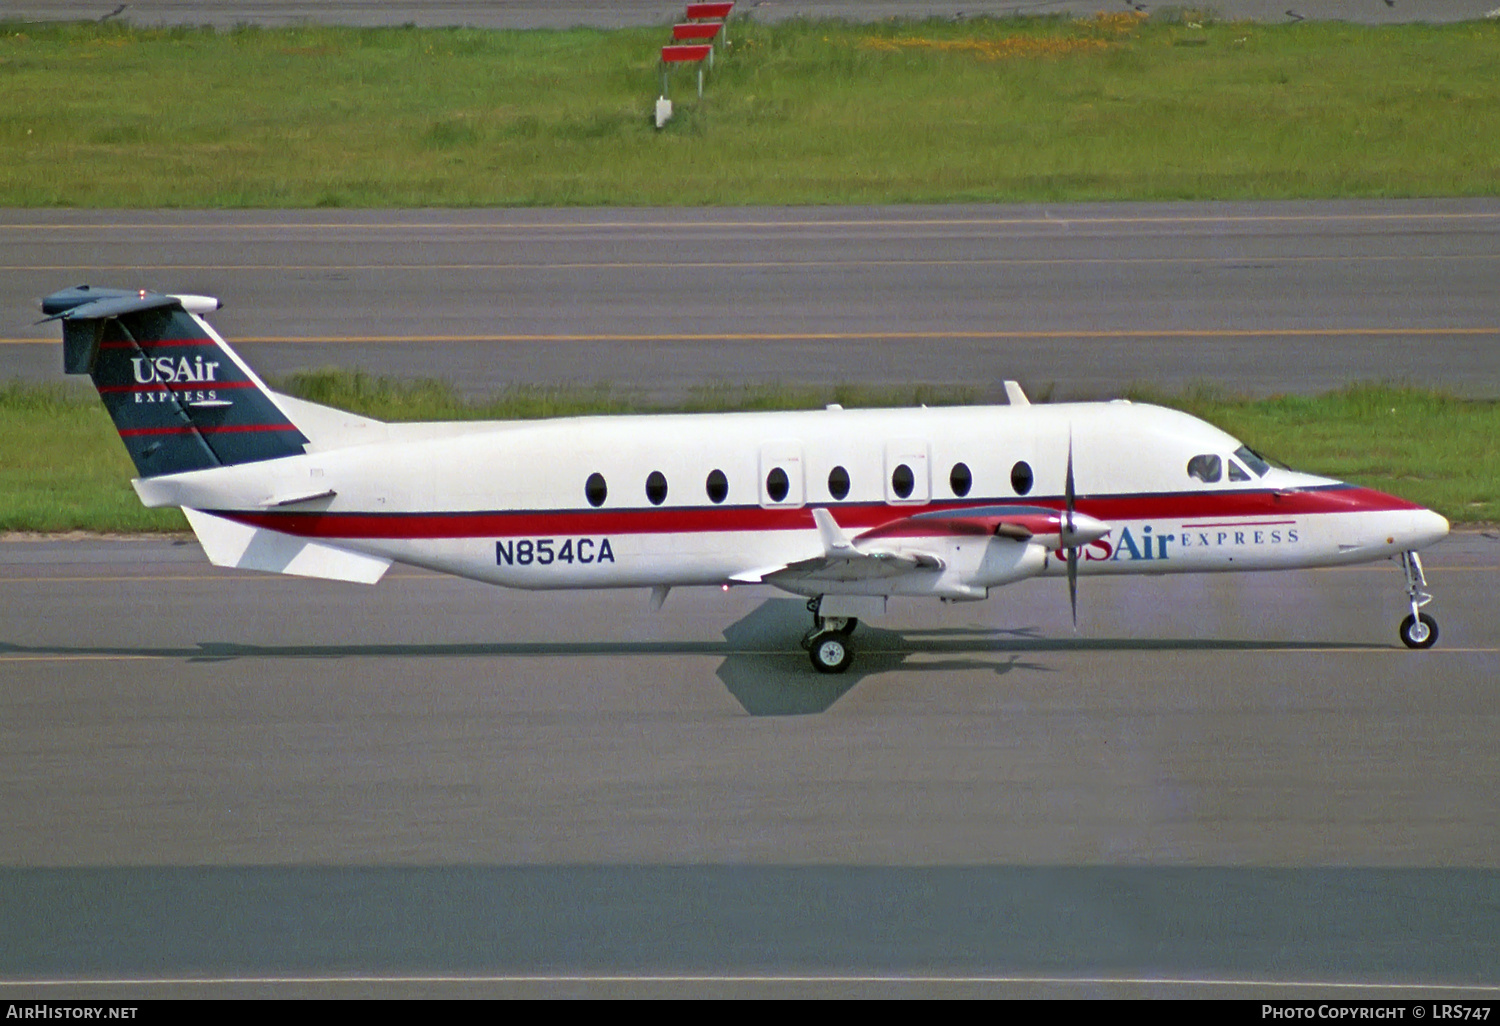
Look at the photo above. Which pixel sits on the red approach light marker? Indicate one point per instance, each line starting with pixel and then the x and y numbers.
pixel 696 30
pixel 686 53
pixel 718 11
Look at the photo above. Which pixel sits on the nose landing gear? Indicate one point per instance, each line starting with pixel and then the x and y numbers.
pixel 1418 630
pixel 827 643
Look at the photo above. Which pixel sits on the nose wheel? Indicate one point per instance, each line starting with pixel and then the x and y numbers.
pixel 1418 630
pixel 827 643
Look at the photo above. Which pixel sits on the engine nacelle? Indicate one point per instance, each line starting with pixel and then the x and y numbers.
pixel 1007 560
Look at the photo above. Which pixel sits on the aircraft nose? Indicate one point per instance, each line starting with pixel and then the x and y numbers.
pixel 1426 527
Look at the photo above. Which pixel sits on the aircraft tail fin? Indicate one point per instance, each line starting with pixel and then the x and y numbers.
pixel 180 398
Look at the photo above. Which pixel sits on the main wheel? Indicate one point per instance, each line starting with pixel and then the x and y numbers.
pixel 831 653
pixel 1419 632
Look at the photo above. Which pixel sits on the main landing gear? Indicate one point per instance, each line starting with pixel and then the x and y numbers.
pixel 827 643
pixel 1418 630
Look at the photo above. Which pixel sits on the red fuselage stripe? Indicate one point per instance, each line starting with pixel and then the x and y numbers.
pixel 695 520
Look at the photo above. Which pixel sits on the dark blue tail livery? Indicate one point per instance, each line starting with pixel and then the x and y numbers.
pixel 179 396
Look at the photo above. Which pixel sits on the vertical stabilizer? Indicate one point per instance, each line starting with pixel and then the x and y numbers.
pixel 179 396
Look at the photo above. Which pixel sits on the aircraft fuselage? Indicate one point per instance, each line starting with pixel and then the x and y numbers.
pixel 510 503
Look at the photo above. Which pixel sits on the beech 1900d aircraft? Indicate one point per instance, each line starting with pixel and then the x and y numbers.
pixel 844 507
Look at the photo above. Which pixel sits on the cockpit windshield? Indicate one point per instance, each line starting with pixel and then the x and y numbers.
pixel 1210 468
pixel 1252 459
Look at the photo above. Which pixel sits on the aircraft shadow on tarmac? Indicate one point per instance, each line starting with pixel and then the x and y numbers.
pixel 763 668
pixel 759 675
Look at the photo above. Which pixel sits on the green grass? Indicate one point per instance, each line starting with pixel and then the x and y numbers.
pixel 797 112
pixel 62 467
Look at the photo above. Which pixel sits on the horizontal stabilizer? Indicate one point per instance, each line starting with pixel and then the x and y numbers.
pixel 227 543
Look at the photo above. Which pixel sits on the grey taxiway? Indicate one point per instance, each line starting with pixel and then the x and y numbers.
pixel 1075 300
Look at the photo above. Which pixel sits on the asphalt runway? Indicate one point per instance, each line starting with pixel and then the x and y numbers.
pixel 620 13
pixel 218 783
pixel 1072 300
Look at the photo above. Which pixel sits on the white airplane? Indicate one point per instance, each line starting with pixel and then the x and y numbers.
pixel 845 507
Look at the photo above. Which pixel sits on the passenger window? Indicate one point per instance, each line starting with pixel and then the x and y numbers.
pixel 594 490
pixel 903 481
pixel 1237 472
pixel 777 485
pixel 960 480
pixel 1206 468
pixel 718 486
pixel 1020 477
pixel 838 483
pixel 656 488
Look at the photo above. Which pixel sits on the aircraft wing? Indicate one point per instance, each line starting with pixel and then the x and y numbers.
pixel 843 560
pixel 863 567
pixel 883 552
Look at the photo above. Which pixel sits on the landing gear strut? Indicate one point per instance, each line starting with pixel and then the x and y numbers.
pixel 1418 630
pixel 827 643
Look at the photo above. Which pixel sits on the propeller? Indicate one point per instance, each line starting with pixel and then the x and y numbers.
pixel 1069 534
pixel 1075 531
